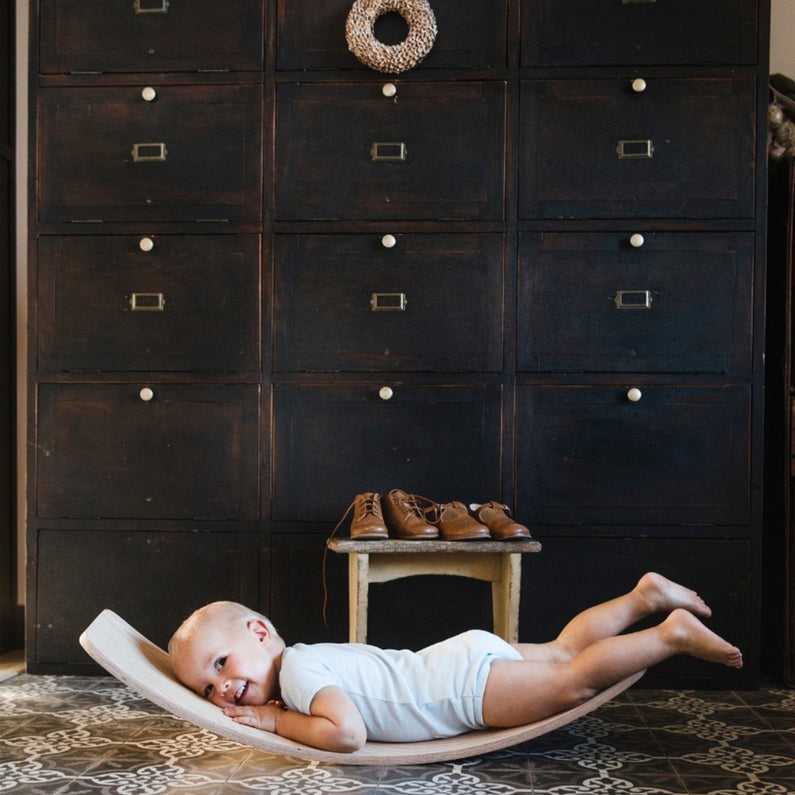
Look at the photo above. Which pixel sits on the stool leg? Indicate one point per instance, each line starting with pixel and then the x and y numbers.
pixel 358 586
pixel 505 594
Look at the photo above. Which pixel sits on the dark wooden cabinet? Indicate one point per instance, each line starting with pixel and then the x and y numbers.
pixel 441 441
pixel 150 36
pixel 407 302
pixel 644 32
pixel 607 563
pixel 155 576
pixel 433 151
pixel 638 147
pixel 151 153
pixel 267 278
pixel 159 450
pixel 635 302
pixel 628 455
pixel 312 36
pixel 147 315
pixel 146 303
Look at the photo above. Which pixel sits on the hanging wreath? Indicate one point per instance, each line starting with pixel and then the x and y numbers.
pixel 391 58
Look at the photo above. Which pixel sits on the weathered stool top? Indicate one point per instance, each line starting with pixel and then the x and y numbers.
pixel 389 545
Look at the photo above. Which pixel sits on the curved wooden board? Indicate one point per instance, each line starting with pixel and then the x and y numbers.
pixel 130 657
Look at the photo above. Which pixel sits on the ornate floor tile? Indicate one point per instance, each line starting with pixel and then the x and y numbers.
pixel 87 735
pixel 508 775
pixel 302 778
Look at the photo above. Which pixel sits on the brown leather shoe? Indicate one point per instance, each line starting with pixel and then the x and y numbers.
pixel 496 517
pixel 368 522
pixel 405 518
pixel 455 524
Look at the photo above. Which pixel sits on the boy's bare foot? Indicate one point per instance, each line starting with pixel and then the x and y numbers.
pixel 690 636
pixel 664 595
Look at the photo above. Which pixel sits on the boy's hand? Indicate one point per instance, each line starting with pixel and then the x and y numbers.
pixel 263 717
pixel 334 723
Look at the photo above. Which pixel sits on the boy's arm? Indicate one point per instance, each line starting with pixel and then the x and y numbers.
pixel 333 725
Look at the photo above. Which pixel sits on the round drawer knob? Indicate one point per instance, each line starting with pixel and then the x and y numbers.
pixel 634 395
pixel 146 394
pixel 388 241
pixel 149 94
pixel 146 244
pixel 638 85
pixel 637 240
pixel 385 393
pixel 389 89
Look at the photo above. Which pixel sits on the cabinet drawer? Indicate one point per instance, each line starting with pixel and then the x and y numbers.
pixel 189 452
pixel 597 148
pixel 460 603
pixel 574 32
pixel 311 35
pixel 334 441
pixel 672 302
pixel 590 455
pixel 150 35
pixel 153 579
pixel 191 153
pixel 347 302
pixel 434 151
pixel 191 302
pixel 594 569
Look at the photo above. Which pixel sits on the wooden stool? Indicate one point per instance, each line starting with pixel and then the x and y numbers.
pixel 497 562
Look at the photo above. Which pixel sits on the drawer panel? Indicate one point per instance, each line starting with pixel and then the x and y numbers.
pixel 153 579
pixel 311 35
pixel 460 603
pixel 150 35
pixel 191 302
pixel 434 151
pixel 190 452
pixel 590 455
pixel 595 569
pixel 192 153
pixel 572 33
pixel 682 148
pixel 334 441
pixel 430 302
pixel 595 302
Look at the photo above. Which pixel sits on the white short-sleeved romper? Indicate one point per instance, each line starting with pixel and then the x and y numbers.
pixel 402 695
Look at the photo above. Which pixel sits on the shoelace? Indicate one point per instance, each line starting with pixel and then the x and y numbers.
pixel 422 507
pixel 368 507
pixel 412 503
pixel 325 559
pixel 432 511
pixel 409 505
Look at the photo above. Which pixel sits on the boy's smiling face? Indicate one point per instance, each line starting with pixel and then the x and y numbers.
pixel 231 665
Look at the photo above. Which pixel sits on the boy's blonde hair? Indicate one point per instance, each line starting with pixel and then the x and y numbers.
pixel 227 613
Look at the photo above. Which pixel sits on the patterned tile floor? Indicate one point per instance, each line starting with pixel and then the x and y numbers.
pixel 92 735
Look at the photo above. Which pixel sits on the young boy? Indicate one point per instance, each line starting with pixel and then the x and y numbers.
pixel 335 696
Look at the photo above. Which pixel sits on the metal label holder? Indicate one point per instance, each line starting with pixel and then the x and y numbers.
pixel 388 302
pixel 633 299
pixel 381 151
pixel 147 302
pixel 154 152
pixel 152 7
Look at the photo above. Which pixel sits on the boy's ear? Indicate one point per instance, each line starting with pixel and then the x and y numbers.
pixel 260 629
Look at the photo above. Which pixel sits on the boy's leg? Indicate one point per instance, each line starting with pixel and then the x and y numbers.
pixel 524 691
pixel 652 594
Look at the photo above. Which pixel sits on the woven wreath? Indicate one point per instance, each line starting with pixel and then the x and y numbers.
pixel 390 58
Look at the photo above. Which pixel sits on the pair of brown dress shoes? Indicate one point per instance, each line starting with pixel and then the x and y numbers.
pixel 403 516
